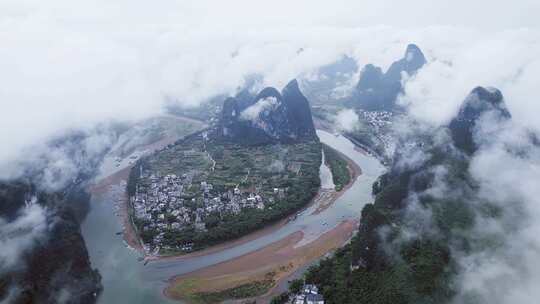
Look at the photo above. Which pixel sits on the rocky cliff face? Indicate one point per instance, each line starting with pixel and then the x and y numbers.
pixel 269 117
pixel 377 91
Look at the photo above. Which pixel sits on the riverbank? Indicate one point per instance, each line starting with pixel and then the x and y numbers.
pixel 322 201
pixel 281 259
pixel 114 186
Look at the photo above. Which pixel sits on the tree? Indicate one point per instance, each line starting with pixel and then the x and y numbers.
pixel 296 285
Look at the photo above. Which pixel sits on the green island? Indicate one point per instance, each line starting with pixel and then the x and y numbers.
pixel 341 174
pixel 244 291
pixel 202 190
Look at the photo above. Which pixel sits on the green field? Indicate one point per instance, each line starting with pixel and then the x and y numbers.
pixel 339 167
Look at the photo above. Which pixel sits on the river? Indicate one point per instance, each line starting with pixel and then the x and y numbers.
pixel 127 280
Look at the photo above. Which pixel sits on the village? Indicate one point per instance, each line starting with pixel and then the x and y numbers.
pixel 308 294
pixel 167 203
pixel 378 134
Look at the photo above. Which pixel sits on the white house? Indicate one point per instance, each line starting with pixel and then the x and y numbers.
pixel 314 299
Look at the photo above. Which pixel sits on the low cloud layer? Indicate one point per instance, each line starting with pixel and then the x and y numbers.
pixel 254 111
pixel 508 170
pixel 69 65
pixel 347 120
pixel 63 160
pixel 500 263
pixel 505 60
pixel 21 235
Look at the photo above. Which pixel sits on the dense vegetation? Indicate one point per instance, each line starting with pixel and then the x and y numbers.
pixel 244 291
pixel 424 212
pixel 414 271
pixel 339 167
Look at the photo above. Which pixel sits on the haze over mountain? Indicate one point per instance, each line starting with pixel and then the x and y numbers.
pixel 268 117
pixel 435 230
pixel 331 82
pixel 481 101
pixel 378 91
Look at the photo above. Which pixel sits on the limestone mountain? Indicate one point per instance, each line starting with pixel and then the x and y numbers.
pixel 377 91
pixel 269 117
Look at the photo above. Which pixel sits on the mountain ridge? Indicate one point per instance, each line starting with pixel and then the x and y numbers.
pixel 377 90
pixel 268 117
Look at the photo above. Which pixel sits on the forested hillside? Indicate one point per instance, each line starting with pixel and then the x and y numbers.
pixel 425 210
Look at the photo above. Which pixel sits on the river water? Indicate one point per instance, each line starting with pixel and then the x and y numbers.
pixel 127 280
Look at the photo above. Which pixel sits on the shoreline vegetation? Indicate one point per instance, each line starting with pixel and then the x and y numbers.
pixel 354 171
pixel 339 166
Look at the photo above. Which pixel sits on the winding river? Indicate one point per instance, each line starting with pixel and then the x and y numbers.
pixel 127 280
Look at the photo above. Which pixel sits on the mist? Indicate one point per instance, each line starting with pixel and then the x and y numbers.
pixel 347 120
pixel 71 66
pixel 501 263
pixel 508 170
pixel 21 235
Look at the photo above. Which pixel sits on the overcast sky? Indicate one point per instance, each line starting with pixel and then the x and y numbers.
pixel 66 64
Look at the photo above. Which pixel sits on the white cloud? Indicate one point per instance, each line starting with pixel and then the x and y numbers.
pixel 346 120
pixel 60 161
pixel 265 104
pixel 67 65
pixel 510 272
pixel 505 60
pixel 21 234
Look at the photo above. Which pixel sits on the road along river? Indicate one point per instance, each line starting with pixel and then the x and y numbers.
pixel 127 280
